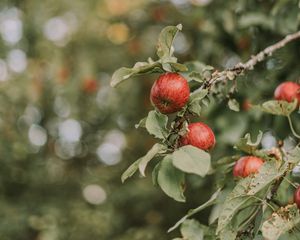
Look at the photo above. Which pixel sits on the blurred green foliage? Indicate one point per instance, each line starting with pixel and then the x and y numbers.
pixel 66 136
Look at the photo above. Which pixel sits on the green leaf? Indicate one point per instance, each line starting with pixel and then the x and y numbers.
pixel 192 230
pixel 255 18
pixel 281 222
pixel 198 95
pixel 191 212
pixel 195 108
pixel 196 76
pixel 156 124
pixel 157 148
pixel 236 200
pixel 190 159
pixel 130 170
pixel 171 180
pixel 228 233
pixel 124 73
pixel 234 105
pixel 245 144
pixel 178 67
pixel 142 162
pixel 165 41
pixel 294 155
pixel 199 71
pixel 155 174
pixel 241 196
pixel 194 101
pixel 275 107
pixel 268 173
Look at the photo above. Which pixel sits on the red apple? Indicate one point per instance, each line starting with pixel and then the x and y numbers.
pixel 288 91
pixel 297 197
pixel 246 105
pixel 199 135
pixel 247 165
pixel 170 93
pixel 90 85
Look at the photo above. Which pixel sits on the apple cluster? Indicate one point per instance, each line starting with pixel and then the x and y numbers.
pixel 169 94
pixel 247 165
pixel 286 91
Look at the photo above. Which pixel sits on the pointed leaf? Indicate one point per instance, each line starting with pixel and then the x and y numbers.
pixel 124 73
pixel 130 170
pixel 165 41
pixel 157 148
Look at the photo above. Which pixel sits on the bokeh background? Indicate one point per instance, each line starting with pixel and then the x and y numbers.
pixel 66 136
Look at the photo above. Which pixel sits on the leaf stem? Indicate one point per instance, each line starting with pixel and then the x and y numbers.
pixel 292 127
pixel 290 182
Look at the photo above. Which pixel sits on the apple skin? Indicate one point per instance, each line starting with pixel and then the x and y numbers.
pixel 90 85
pixel 297 197
pixel 288 91
pixel 247 165
pixel 170 93
pixel 199 135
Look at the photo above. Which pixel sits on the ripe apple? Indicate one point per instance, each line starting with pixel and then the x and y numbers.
pixel 247 165
pixel 170 93
pixel 288 91
pixel 199 135
pixel 297 197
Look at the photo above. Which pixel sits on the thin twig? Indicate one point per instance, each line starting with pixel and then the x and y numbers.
pixel 240 68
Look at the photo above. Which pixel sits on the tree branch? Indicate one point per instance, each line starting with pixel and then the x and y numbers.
pixel 240 68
